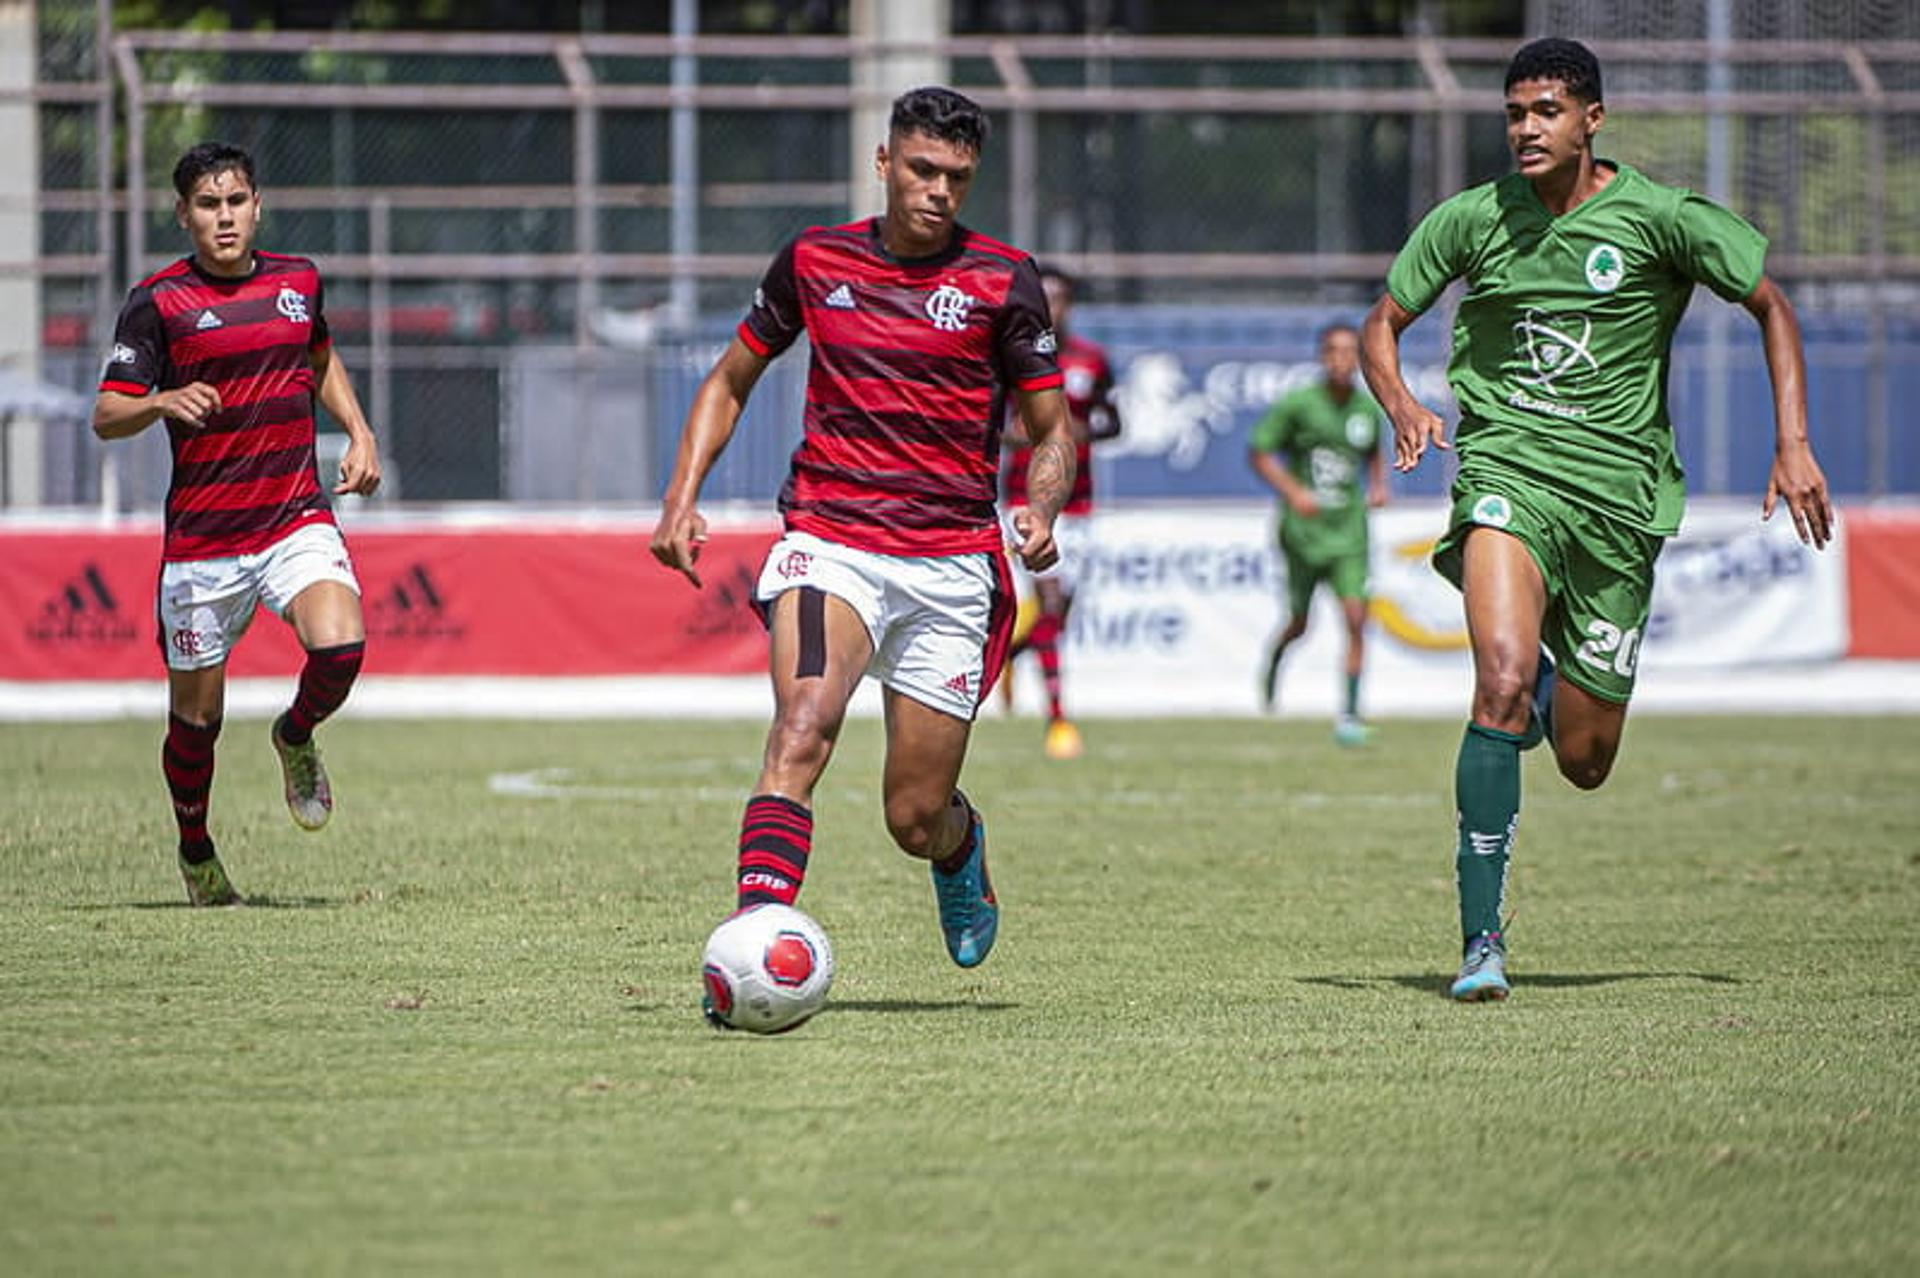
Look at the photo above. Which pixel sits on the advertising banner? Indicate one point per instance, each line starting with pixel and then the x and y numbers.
pixel 1883 583
pixel 495 601
pixel 1176 606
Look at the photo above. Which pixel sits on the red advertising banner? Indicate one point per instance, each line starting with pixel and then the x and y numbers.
pixel 1883 583
pixel 80 605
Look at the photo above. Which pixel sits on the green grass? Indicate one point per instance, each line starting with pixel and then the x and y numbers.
pixel 460 1034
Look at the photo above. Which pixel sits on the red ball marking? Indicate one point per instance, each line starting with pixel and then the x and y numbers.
pixel 790 959
pixel 719 991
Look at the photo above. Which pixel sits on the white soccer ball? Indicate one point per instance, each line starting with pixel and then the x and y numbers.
pixel 766 969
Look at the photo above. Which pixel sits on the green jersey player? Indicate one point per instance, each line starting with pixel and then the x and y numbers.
pixel 1329 436
pixel 1577 271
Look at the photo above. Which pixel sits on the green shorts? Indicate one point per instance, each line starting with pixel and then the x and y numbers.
pixel 1346 573
pixel 1599 575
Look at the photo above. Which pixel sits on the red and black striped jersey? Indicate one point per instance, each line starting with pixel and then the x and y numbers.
pixel 247 477
pixel 1089 387
pixel 907 386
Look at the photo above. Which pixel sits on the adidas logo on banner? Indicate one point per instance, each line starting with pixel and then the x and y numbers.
pixel 841 299
pixel 83 610
pixel 413 607
pixel 208 320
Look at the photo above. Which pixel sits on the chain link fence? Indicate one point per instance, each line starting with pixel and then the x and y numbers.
pixel 534 245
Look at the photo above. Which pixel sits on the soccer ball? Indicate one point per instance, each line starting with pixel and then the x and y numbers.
pixel 766 969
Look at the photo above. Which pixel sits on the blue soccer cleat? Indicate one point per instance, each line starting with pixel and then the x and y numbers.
pixel 1540 722
pixel 969 915
pixel 1483 972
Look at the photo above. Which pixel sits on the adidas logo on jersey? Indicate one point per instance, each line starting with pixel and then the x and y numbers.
pixel 208 320
pixel 841 299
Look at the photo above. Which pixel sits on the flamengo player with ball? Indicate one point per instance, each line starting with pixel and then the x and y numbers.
pixel 892 562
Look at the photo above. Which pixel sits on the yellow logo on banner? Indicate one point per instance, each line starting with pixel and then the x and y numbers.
pixel 1402 624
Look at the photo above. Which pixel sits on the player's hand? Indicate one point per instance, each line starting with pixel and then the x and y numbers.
pixel 1797 478
pixel 1306 505
pixel 1376 495
pixel 359 467
pixel 1036 547
pixel 1413 429
pixel 191 404
pixel 677 539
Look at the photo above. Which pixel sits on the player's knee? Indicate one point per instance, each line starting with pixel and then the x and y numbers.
pixel 801 741
pixel 1501 699
pixel 1586 772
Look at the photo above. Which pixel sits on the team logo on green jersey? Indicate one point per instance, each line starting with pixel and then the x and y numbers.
pixel 1360 431
pixel 1606 267
pixel 1493 511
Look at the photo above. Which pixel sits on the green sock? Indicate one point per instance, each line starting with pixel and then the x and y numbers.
pixel 1353 696
pixel 1486 790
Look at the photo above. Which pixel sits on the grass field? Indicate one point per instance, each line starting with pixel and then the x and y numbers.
pixel 459 1031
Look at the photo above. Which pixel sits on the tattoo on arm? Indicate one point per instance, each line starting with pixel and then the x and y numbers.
pixel 1050 476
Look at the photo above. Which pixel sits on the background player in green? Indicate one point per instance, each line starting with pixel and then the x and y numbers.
pixel 1328 433
pixel 1577 271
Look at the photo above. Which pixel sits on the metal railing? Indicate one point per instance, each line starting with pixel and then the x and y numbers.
pixel 1093 128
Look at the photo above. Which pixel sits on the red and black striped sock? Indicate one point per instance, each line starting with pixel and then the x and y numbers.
pixel 776 834
pixel 186 759
pixel 1044 639
pixel 325 681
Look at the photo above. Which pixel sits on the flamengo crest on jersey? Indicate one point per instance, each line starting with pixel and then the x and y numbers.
pixel 947 307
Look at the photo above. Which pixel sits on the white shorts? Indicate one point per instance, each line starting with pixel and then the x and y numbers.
pixel 207 604
pixel 940 624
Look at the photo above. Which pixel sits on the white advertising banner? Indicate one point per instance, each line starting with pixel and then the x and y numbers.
pixel 1175 607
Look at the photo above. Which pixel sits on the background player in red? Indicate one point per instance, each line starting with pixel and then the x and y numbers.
pixel 230 347
pixel 893 561
pixel 1089 388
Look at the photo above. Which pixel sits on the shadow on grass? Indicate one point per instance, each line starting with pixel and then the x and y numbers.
pixel 882 1005
pixel 254 902
pixel 890 1005
pixel 1438 983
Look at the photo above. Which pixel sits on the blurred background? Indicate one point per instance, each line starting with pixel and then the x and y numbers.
pixel 538 222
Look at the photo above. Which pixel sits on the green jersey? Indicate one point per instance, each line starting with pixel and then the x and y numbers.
pixel 1563 342
pixel 1327 443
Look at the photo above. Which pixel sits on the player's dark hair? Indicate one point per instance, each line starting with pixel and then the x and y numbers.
pixel 1051 272
pixel 940 113
pixel 1568 61
pixel 211 157
pixel 1328 330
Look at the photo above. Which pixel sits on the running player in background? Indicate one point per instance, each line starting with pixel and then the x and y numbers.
pixel 1311 449
pixel 1578 271
pixel 230 347
pixel 893 563
pixel 1089 389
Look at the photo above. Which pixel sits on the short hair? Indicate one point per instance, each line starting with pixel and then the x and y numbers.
pixel 1568 61
pixel 940 113
pixel 1328 330
pixel 210 157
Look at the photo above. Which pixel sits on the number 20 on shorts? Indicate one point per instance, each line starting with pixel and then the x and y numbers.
pixel 1610 648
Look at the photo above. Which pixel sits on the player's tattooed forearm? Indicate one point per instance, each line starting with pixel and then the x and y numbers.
pixel 1050 477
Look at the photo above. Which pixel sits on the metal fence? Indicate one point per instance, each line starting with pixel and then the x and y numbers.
pixel 533 244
